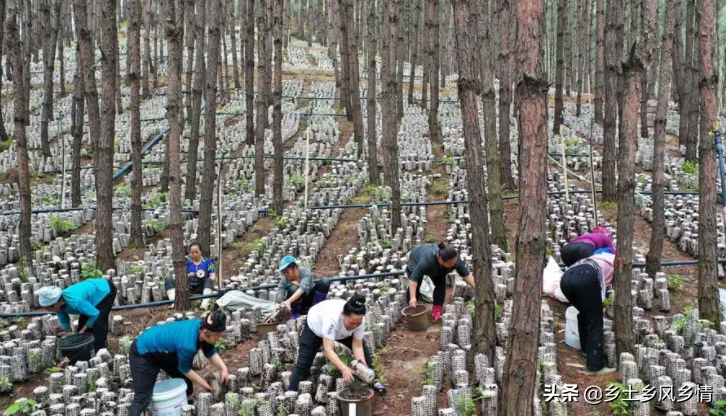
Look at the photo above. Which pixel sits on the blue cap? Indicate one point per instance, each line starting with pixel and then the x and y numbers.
pixel 286 262
pixel 49 296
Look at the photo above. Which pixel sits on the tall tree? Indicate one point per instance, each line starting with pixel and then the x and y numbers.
pixel 372 102
pixel 3 12
pixel 678 67
pixel 694 109
pixel 174 34
pixel 427 40
pixel 400 57
pixel 388 101
pixel 507 38
pixel 493 159
pixel 708 301
pixel 210 127
pixel 613 52
pixel 262 100
pixel 148 64
pixel 233 43
pixel 416 20
pixel 134 50
pixel 200 69
pixel 50 39
pixel 77 112
pixel 345 8
pixel 16 57
pixel 659 182
pixel 189 41
pixel 105 149
pixel 688 97
pixel 485 335
pixel 277 202
pixel 521 362
pixel 434 59
pixel 582 49
pixel 600 64
pixel 560 70
pixel 569 68
pixel 250 72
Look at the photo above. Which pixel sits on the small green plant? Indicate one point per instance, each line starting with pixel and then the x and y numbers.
pixel 386 244
pixel 36 245
pixel 23 406
pixel 61 226
pixel 430 239
pixel 257 245
pixel 470 307
pixel 675 281
pixel 47 200
pixel 282 411
pixel 91 385
pixel 344 357
pixel 156 225
pixel 21 270
pixel 690 168
pixel 35 359
pixel 378 368
pixel 608 207
pixel 297 181
pixel 51 370
pixel 571 142
pixel 137 270
pixel 385 288
pixel 123 191
pixel 439 188
pixel 6 385
pixel 155 199
pixel 548 252
pixel 276 363
pixel 619 406
pixel 719 409
pixel 447 160
pixel 429 375
pixel 465 406
pixel 89 271
pixel 222 344
pixel 607 303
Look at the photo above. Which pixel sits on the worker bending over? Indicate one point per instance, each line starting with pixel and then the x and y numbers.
pixel 586 245
pixel 297 289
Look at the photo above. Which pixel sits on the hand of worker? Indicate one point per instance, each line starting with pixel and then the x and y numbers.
pixel 82 330
pixel 287 305
pixel 347 374
pixel 413 302
pixel 224 377
pixel 204 385
pixel 191 274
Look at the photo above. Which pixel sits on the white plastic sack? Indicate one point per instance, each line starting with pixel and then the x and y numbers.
pixel 427 290
pixel 236 300
pixel 551 278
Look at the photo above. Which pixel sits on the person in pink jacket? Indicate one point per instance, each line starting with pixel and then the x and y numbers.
pixel 586 245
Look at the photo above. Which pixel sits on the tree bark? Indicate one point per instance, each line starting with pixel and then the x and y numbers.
pixel 134 50
pixel 659 182
pixel 345 95
pixel 484 335
pixel 695 101
pixel 427 53
pixel 416 18
pixel 582 30
pixel 50 38
pixel 188 97
pixel 435 57
pixel 388 101
pixel 77 112
pixel 210 126
pixel 708 300
pixel 600 65
pixel 16 57
pixel 262 107
pixel 250 72
pixel 687 98
pixel 233 45
pixel 678 66
pixel 242 10
pixel 506 68
pixel 147 49
pixel 372 102
pixel 560 70
pixel 3 13
pixel 196 95
pixel 613 52
pixel 345 8
pixel 277 202
pixel 567 30
pixel 521 362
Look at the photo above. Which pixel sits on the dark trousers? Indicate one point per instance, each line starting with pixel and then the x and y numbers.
pixel 315 296
pixel 100 327
pixel 439 289
pixel 581 286
pixel 193 290
pixel 571 253
pixel 144 370
pixel 309 345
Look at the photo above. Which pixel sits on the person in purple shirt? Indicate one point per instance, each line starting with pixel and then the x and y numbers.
pixel 586 245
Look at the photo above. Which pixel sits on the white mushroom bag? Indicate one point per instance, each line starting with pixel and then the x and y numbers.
pixel 427 290
pixel 551 278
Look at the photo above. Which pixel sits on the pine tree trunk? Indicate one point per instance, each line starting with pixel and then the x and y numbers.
pixel 77 112
pixel 233 45
pixel 600 65
pixel 659 181
pixel 708 297
pixel 3 132
pixel 560 74
pixel 400 57
pixel 567 32
pixel 688 87
pixel 103 158
pixel 189 41
pixel 345 95
pixel 484 335
pixel 506 64
pixel 427 41
pixel 134 50
pixel 16 57
pixel 61 54
pixel 388 101
pixel 416 18
pixel 154 67
pixel 242 10
pixel 613 53
pixel 196 94
pixel 520 365
pixel 372 102
pixel 277 202
pixel 262 107
pixel 48 65
pixel 349 42
pixel 695 101
pixel 644 88
pixel 210 126
pixel 434 58
pixel 582 31
pixel 250 73
pixel 30 23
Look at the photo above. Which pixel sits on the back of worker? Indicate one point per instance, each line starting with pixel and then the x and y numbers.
pixel 180 338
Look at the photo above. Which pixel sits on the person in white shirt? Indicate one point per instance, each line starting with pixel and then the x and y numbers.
pixel 329 321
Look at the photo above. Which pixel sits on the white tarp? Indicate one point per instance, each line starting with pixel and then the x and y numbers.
pixel 235 300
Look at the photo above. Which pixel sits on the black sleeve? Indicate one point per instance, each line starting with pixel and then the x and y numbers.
pixel 461 268
pixel 208 349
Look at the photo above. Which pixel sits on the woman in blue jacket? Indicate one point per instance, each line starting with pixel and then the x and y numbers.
pixel 200 275
pixel 92 299
pixel 171 347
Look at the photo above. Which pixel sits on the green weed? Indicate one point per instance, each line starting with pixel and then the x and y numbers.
pixel 61 226
pixel 619 406
pixel 675 281
pixel 23 406
pixel 690 168
pixel 89 271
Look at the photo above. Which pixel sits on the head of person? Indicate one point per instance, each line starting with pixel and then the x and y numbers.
pixel 288 268
pixel 213 327
pixel 354 311
pixel 195 251
pixel 50 298
pixel 602 230
pixel 447 256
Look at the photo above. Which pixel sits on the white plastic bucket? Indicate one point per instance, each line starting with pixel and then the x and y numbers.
pixel 169 397
pixel 572 334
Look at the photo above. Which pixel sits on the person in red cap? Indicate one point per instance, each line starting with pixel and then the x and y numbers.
pixel 434 261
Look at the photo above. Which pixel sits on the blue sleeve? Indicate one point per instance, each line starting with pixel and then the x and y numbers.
pixel 461 268
pixel 210 266
pixel 185 358
pixel 84 308
pixel 63 319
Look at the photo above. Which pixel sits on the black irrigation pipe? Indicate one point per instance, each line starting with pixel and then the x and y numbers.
pixel 57 210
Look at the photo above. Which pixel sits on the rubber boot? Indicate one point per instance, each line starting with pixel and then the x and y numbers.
pixel 205 302
pixel 435 313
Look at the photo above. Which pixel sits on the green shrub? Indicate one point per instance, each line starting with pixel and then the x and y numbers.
pixel 89 271
pixel 22 405
pixel 675 281
pixel 620 406
pixel 156 225
pixel 690 168
pixel 61 226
